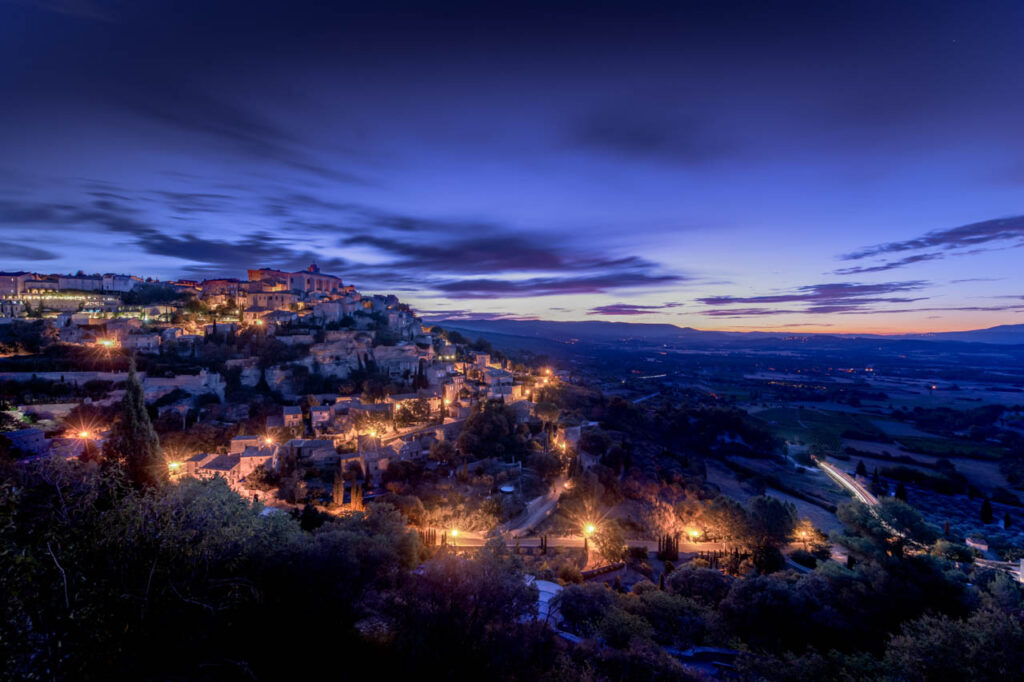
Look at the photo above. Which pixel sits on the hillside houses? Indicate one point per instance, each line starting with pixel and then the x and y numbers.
pixel 230 369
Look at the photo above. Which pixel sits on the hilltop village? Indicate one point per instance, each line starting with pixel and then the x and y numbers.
pixel 291 386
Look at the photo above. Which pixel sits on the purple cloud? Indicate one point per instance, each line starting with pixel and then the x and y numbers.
pixel 551 286
pixel 833 297
pixel 1009 230
pixel 629 309
pixel 890 265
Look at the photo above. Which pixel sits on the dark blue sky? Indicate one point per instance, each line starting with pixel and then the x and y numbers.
pixel 833 166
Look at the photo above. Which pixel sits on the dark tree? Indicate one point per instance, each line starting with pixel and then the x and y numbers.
pixel 986 511
pixel 133 442
pixel 901 491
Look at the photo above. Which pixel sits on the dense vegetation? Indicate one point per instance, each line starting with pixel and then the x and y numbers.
pixel 104 579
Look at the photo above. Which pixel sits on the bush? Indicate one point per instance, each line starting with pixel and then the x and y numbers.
pixel 570 574
pixel 804 558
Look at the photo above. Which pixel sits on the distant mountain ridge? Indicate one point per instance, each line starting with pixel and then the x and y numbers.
pixel 1004 334
pixel 599 331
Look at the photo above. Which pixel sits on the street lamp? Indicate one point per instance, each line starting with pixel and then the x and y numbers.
pixel 455 535
pixel 268 440
pixel 694 534
pixel 589 529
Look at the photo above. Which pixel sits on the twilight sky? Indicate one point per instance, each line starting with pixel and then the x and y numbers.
pixel 821 166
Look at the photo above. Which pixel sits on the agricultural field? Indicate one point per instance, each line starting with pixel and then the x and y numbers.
pixel 964 517
pixel 807 426
pixel 986 475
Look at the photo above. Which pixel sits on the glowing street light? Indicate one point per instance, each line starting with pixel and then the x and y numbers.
pixel 268 440
pixel 83 434
pixel 589 529
pixel 174 466
pixel 694 534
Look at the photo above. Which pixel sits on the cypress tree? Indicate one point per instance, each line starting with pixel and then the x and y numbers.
pixel 133 442
pixel 339 489
pixel 986 511
pixel 901 491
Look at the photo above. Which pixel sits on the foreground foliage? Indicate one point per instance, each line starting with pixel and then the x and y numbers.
pixel 103 579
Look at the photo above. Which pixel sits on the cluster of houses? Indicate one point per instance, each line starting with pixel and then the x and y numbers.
pixel 337 331
pixel 88 307
pixel 342 431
